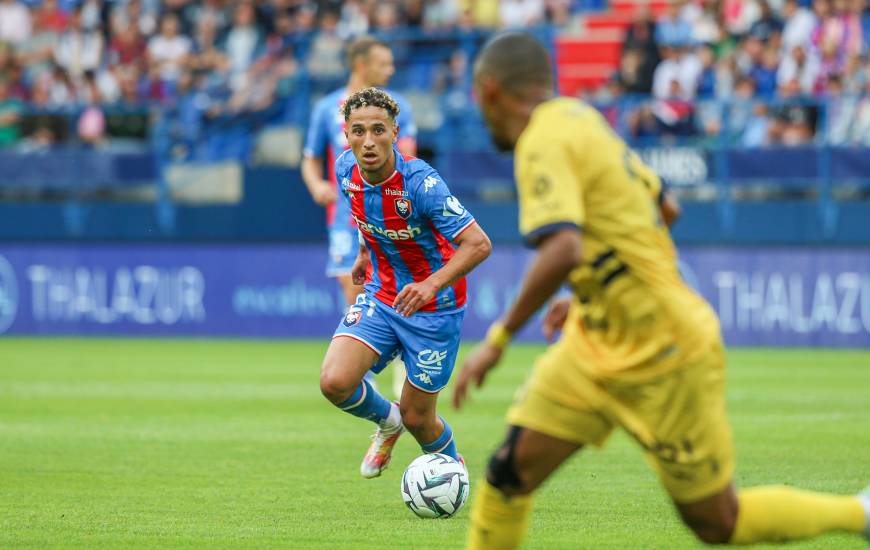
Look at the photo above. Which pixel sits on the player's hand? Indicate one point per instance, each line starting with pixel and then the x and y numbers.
pixel 413 297
pixel 555 317
pixel 358 271
pixel 324 194
pixel 476 367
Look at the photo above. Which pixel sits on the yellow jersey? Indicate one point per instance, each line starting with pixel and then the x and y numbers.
pixel 632 315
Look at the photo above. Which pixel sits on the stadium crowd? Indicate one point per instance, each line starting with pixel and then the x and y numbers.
pixel 770 60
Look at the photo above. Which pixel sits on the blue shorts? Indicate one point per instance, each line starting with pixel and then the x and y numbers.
pixel 343 249
pixel 428 342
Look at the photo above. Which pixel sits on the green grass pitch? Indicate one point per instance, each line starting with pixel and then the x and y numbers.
pixel 198 443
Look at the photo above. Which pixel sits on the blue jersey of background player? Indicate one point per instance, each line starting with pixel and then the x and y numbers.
pixel 415 290
pixel 371 64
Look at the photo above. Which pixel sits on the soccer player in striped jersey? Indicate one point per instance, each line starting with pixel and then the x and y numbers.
pixel 371 63
pixel 414 297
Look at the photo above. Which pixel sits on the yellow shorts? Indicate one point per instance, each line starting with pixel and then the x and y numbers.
pixel 678 418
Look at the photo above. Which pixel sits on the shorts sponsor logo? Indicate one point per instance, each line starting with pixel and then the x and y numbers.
pixel 424 378
pixel 430 360
pixel 403 208
pixel 352 318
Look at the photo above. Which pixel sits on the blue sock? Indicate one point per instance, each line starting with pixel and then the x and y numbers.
pixel 366 403
pixel 444 444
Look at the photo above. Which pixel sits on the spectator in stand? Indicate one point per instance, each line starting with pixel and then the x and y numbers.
pixel 480 13
pixel 206 57
pixel 15 22
pixel 78 49
pixel 764 73
pixel 49 17
pixel 799 127
pixel 640 54
pixel 854 28
pixel 244 42
pixel 797 73
pixel 831 63
pixel 354 20
pixel 327 49
pixel 672 28
pixel 210 12
pixel 37 52
pixel 860 134
pixel 739 15
pixel 740 110
pixel 798 25
pixel 440 14
pixel 841 112
pixel 767 25
pixel 757 129
pixel 385 17
pixel 92 15
pixel 131 13
pixel 127 46
pixel 558 13
pixel 11 109
pixel 412 14
pixel 667 71
pixel 706 88
pixel 168 51
pixel 632 75
pixel 707 29
pixel 855 75
pixel 520 13
pixel 675 114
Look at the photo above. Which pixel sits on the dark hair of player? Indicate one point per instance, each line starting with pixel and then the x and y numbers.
pixel 361 48
pixel 517 61
pixel 370 97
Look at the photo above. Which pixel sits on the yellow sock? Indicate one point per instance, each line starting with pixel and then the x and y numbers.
pixel 497 522
pixel 777 514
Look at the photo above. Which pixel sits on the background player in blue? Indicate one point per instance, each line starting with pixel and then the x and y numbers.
pixel 414 296
pixel 371 64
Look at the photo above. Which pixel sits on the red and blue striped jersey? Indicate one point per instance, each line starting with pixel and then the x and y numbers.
pixel 408 223
pixel 326 139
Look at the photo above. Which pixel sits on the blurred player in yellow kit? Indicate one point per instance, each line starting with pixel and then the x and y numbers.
pixel 639 349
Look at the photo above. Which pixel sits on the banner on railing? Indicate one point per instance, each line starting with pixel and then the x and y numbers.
pixel 776 297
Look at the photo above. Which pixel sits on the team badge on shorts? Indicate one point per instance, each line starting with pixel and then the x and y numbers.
pixel 352 318
pixel 403 208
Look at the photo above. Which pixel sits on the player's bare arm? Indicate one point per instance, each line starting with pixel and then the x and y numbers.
pixel 322 191
pixel 474 246
pixel 670 208
pixel 360 265
pixel 558 253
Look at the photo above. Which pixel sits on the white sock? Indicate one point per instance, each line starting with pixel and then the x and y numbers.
pixel 394 419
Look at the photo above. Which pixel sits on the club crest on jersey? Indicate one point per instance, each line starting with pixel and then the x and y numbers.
pixel 403 208
pixel 352 318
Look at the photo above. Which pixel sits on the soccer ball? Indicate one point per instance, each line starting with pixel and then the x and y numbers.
pixel 435 486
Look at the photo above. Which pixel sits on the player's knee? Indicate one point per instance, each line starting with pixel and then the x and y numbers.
pixel 713 529
pixel 333 386
pixel 502 472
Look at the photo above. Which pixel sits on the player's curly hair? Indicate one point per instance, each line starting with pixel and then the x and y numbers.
pixel 370 97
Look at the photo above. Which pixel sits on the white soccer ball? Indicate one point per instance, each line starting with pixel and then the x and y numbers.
pixel 435 486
